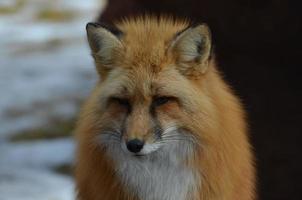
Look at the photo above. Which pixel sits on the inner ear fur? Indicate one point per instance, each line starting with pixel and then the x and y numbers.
pixel 104 42
pixel 192 49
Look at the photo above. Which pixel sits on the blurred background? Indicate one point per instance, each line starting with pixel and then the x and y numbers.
pixel 46 72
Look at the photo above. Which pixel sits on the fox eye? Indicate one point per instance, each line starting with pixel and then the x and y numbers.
pixel 158 101
pixel 121 101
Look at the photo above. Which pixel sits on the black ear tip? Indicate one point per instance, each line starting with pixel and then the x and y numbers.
pixel 194 24
pixel 111 28
pixel 92 24
pixel 197 24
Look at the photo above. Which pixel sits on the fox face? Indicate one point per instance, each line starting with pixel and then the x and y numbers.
pixel 145 95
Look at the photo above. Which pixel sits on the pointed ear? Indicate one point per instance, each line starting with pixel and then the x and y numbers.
pixel 104 42
pixel 192 49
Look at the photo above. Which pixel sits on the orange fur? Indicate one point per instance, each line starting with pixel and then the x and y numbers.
pixel 143 66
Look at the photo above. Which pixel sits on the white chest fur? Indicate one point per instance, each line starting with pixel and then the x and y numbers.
pixel 154 180
pixel 161 175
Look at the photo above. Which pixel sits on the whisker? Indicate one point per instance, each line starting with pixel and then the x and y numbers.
pixel 112 137
pixel 173 137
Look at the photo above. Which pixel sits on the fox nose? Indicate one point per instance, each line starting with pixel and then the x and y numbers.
pixel 135 145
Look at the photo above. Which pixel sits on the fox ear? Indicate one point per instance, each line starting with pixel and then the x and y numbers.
pixel 192 49
pixel 104 43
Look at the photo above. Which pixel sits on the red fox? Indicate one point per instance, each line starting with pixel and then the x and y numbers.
pixel 161 124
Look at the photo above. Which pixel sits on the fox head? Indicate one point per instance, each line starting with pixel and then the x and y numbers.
pixel 161 114
pixel 151 82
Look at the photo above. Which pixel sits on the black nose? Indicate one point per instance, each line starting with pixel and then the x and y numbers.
pixel 135 145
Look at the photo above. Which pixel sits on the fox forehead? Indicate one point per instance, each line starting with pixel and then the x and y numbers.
pixel 142 84
pixel 145 43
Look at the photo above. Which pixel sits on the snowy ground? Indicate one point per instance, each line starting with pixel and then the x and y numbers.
pixel 45 71
pixel 25 170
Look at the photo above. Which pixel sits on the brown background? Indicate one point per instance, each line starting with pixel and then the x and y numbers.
pixel 258 46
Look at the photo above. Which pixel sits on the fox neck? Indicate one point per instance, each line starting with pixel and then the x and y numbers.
pixel 161 175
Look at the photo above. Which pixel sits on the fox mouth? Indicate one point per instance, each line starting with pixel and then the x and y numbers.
pixel 139 155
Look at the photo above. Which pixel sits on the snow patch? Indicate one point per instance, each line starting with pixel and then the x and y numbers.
pixel 34 184
pixel 38 154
